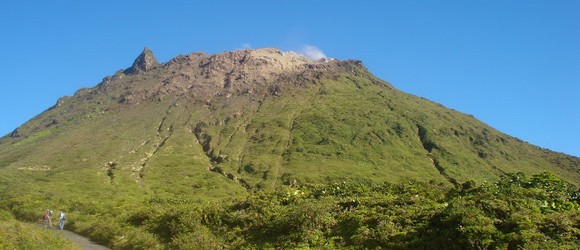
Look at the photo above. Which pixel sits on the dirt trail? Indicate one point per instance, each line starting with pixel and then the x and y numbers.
pixel 83 242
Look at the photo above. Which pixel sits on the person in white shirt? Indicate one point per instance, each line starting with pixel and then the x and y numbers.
pixel 61 220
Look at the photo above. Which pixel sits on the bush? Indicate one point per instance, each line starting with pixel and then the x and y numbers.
pixel 5 215
pixel 18 235
pixel 515 212
pixel 201 238
pixel 136 238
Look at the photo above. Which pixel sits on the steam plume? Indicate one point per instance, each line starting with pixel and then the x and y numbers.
pixel 312 52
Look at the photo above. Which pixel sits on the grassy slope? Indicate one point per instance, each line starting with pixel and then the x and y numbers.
pixel 360 128
pixel 95 155
pixel 18 235
pixel 341 127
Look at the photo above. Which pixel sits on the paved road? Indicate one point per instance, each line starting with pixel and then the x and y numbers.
pixel 83 242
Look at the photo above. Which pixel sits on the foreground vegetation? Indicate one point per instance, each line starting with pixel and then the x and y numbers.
pixel 19 235
pixel 539 212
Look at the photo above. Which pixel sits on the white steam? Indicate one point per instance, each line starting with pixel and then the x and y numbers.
pixel 244 46
pixel 312 52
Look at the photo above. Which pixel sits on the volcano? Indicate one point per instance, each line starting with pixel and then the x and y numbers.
pixel 221 125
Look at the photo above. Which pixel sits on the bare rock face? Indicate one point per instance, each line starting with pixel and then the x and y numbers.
pixel 144 62
pixel 201 76
pixel 242 71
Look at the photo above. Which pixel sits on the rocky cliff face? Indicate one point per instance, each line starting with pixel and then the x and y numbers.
pixel 144 62
pixel 266 71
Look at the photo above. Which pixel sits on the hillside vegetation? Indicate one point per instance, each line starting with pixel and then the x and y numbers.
pixel 517 212
pixel 19 235
pixel 230 128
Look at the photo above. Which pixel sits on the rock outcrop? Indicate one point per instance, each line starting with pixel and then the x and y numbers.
pixel 144 62
pixel 244 71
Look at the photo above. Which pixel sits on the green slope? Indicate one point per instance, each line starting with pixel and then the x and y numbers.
pixel 235 150
pixel 144 135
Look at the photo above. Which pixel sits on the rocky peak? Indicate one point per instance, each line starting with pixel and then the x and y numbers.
pixel 144 62
pixel 260 65
pixel 250 71
pixel 245 71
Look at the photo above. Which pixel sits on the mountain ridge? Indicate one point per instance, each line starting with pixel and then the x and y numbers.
pixel 223 124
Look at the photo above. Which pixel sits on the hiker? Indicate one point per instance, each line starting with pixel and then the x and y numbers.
pixel 47 220
pixel 61 220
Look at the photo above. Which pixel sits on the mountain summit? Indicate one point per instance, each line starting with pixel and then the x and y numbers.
pixel 144 62
pixel 221 125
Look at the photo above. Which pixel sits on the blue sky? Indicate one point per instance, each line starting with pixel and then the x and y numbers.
pixel 515 65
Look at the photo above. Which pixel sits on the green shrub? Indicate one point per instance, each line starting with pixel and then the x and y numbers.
pixel 136 238
pixel 516 212
pixel 201 238
pixel 18 235
pixel 5 215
